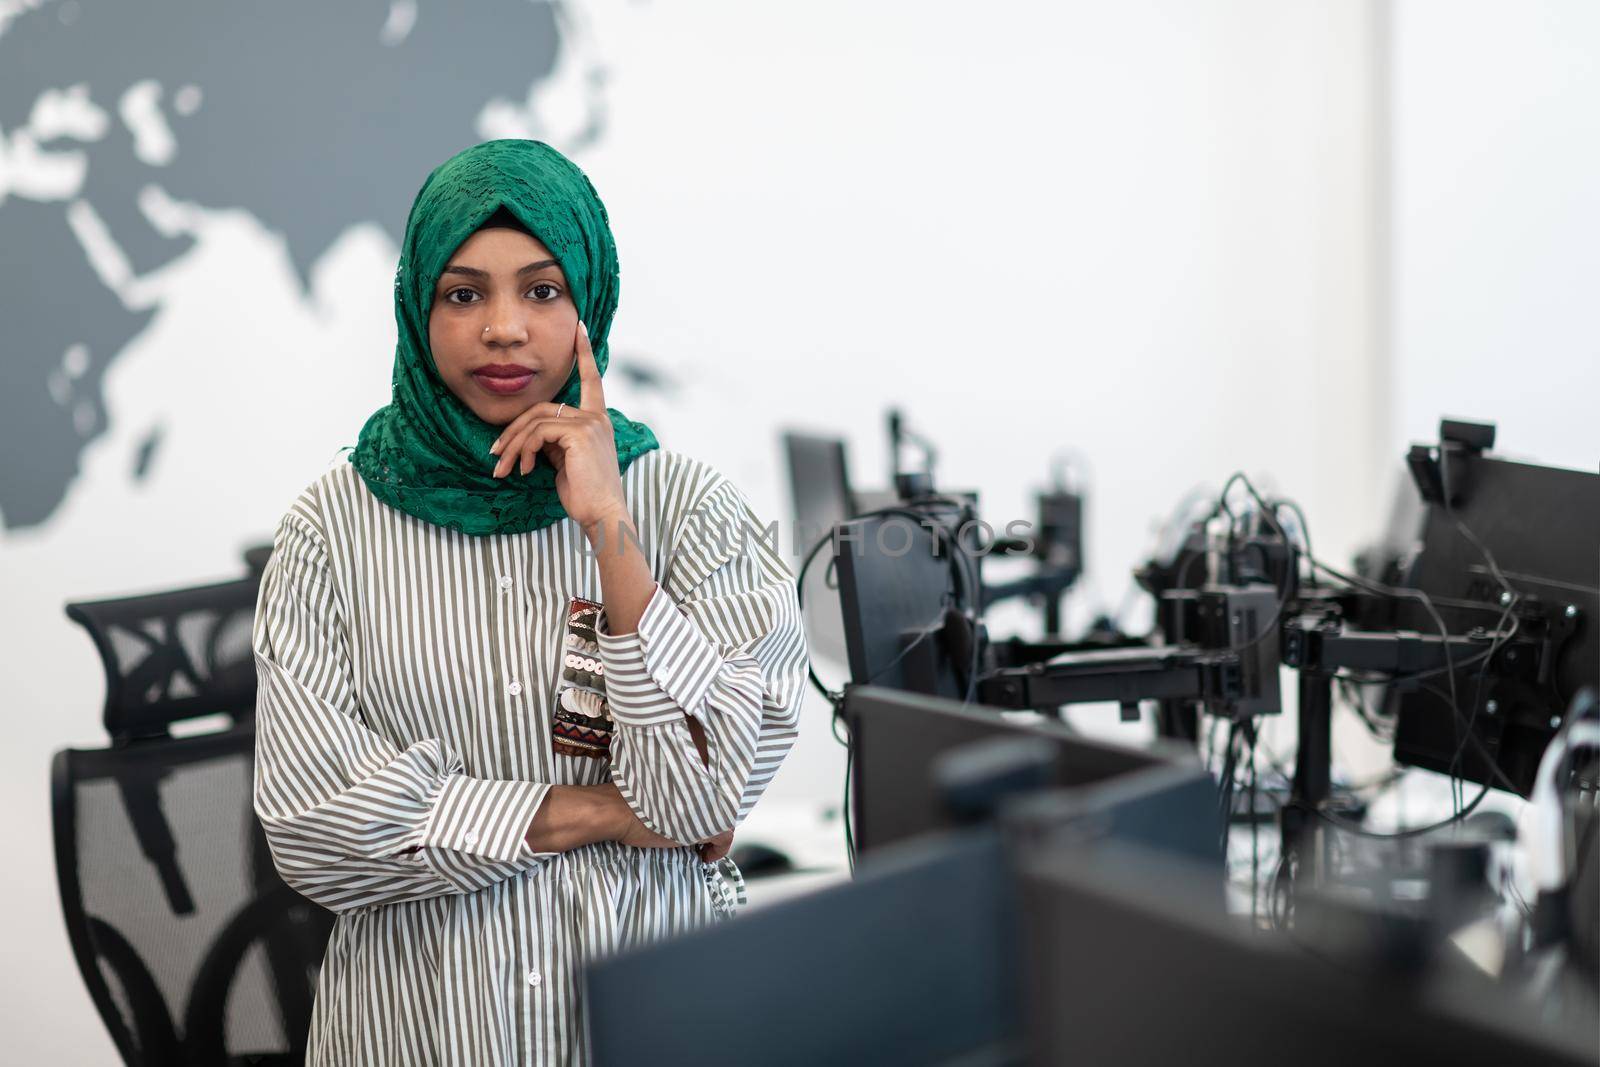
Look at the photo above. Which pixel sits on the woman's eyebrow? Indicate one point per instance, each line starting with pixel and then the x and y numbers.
pixel 474 272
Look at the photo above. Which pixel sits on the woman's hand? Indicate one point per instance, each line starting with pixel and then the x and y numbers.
pixel 626 829
pixel 637 835
pixel 630 831
pixel 713 850
pixel 577 441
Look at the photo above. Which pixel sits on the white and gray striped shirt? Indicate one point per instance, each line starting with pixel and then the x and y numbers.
pixel 408 676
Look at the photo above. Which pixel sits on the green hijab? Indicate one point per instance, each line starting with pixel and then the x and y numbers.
pixel 426 453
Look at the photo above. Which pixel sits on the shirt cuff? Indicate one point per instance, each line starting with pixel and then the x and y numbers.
pixel 527 856
pixel 661 671
pixel 484 818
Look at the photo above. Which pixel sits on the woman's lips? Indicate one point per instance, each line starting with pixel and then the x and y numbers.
pixel 502 381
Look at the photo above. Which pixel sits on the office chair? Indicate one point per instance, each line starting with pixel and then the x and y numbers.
pixel 194 950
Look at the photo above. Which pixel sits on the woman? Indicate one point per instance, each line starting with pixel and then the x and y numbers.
pixel 521 671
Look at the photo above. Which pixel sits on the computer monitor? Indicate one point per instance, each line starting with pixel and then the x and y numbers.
pixel 819 482
pixel 908 596
pixel 1128 958
pixel 1542 527
pixel 911 962
pixel 897 739
pixel 915 960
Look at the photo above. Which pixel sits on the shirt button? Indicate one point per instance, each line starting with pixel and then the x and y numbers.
pixel 515 688
pixel 470 837
pixel 534 978
pixel 505 582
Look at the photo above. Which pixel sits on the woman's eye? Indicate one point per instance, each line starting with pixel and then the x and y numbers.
pixel 544 292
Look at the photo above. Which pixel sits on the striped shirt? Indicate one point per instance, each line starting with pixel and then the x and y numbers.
pixel 408 678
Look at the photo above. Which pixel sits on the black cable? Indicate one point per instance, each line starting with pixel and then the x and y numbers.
pixel 1510 597
pixel 800 599
pixel 1450 669
pixel 1415 831
pixel 1471 733
pixel 1225 784
pixel 1356 703
pixel 832 696
pixel 1432 672
pixel 1269 628
pixel 1255 833
pixel 849 749
pixel 958 552
pixel 1430 602
pixel 973 615
pixel 1457 816
pixel 1291 573
pixel 1269 511
pixel 1243 738
pixel 924 632
pixel 1282 589
pixel 849 832
pixel 1282 903
pixel 1180 514
pixel 1300 517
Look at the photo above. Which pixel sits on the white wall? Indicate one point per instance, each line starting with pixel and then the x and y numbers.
pixel 1129 229
pixel 1496 152
pixel 1141 230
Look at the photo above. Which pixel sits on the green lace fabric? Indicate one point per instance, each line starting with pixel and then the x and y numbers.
pixel 426 453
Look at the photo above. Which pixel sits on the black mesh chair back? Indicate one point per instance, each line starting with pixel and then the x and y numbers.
pixel 193 949
pixel 174 655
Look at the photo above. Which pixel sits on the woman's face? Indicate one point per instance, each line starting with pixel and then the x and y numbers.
pixel 503 327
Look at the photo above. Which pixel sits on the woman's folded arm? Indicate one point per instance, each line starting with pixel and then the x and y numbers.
pixel 351 818
pixel 720 644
